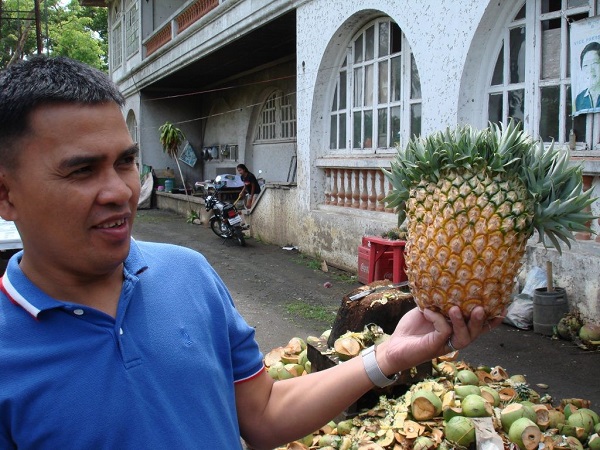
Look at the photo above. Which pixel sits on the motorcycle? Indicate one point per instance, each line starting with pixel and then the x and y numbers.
pixel 225 221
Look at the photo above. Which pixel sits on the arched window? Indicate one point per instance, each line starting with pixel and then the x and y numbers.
pixel 531 76
pixel 277 120
pixel 132 126
pixel 377 97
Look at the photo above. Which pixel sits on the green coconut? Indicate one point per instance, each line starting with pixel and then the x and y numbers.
pixel 425 405
pixel 594 442
pixel 516 411
pixel 569 409
pixel 450 412
pixel 491 395
pixel 474 405
pixel 597 428
pixel 556 418
pixel 329 440
pixel 308 366
pixel 273 370
pixel 571 430
pixel 592 413
pixel 345 427
pixel 303 357
pixel 424 443
pixel 462 390
pixel 582 419
pixel 525 433
pixel 573 443
pixel 460 430
pixel 466 376
pixel 589 332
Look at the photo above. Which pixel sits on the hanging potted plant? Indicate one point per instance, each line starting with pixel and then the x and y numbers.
pixel 171 139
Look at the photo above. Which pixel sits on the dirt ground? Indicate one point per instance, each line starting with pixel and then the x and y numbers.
pixel 283 294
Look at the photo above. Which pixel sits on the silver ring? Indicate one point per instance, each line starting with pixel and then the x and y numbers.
pixel 449 344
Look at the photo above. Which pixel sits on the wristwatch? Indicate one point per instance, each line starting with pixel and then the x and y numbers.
pixel 373 370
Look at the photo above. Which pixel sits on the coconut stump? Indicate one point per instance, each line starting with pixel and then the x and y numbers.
pixel 384 306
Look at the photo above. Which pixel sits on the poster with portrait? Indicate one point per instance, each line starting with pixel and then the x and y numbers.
pixel 585 66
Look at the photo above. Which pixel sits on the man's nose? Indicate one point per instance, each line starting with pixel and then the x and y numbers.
pixel 115 189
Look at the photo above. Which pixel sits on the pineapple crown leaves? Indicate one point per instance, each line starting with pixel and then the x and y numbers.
pixel 554 185
pixel 170 138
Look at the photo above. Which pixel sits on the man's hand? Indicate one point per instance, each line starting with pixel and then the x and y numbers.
pixel 424 335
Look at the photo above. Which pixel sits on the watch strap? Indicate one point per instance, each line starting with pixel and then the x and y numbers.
pixel 373 370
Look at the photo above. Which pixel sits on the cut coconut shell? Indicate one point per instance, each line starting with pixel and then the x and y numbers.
pixel 347 348
pixel 412 429
pixel 543 416
pixel 425 405
pixel 525 433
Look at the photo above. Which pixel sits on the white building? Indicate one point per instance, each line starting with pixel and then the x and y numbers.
pixel 313 95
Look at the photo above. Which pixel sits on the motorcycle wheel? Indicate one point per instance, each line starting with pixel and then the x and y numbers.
pixel 216 225
pixel 239 235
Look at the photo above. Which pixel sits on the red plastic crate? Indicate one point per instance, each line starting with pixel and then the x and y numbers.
pixel 384 267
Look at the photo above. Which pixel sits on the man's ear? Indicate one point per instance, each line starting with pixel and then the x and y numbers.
pixel 7 210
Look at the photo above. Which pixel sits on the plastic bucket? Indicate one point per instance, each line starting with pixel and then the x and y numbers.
pixel 168 185
pixel 548 309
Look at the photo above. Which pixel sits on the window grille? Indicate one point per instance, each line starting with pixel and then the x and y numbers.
pixel 132 30
pixel 116 50
pixel 277 118
pixel 377 95
pixel 531 75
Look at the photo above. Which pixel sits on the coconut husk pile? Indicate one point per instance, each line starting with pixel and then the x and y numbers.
pixel 585 334
pixel 462 407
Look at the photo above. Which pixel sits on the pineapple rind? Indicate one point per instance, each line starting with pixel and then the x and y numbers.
pixel 461 255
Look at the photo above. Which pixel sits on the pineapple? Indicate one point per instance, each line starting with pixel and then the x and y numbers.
pixel 472 199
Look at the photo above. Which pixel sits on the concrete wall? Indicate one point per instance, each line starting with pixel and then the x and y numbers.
pixel 576 270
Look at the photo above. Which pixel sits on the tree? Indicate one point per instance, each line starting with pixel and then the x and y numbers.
pixel 68 30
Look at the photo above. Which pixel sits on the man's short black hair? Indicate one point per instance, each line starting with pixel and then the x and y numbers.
pixel 591 47
pixel 42 80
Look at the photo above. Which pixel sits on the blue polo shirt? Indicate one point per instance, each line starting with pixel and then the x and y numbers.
pixel 160 375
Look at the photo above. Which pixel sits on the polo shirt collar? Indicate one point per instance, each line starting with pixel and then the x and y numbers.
pixel 21 291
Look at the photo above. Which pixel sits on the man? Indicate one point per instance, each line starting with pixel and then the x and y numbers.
pixel 102 345
pixel 589 61
pixel 251 185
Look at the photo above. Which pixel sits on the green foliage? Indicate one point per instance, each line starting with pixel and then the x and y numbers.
pixel 553 183
pixel 67 30
pixel 170 138
pixel 192 215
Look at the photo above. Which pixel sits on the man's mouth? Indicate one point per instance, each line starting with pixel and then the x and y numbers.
pixel 114 224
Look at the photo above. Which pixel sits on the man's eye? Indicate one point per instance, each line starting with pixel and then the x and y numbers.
pixel 127 160
pixel 82 171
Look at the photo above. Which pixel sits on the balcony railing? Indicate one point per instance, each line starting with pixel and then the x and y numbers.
pixel 196 10
pixel 365 188
pixel 182 20
pixel 160 38
pixel 358 188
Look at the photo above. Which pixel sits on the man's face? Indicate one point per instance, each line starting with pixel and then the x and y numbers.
pixel 74 194
pixel 591 68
